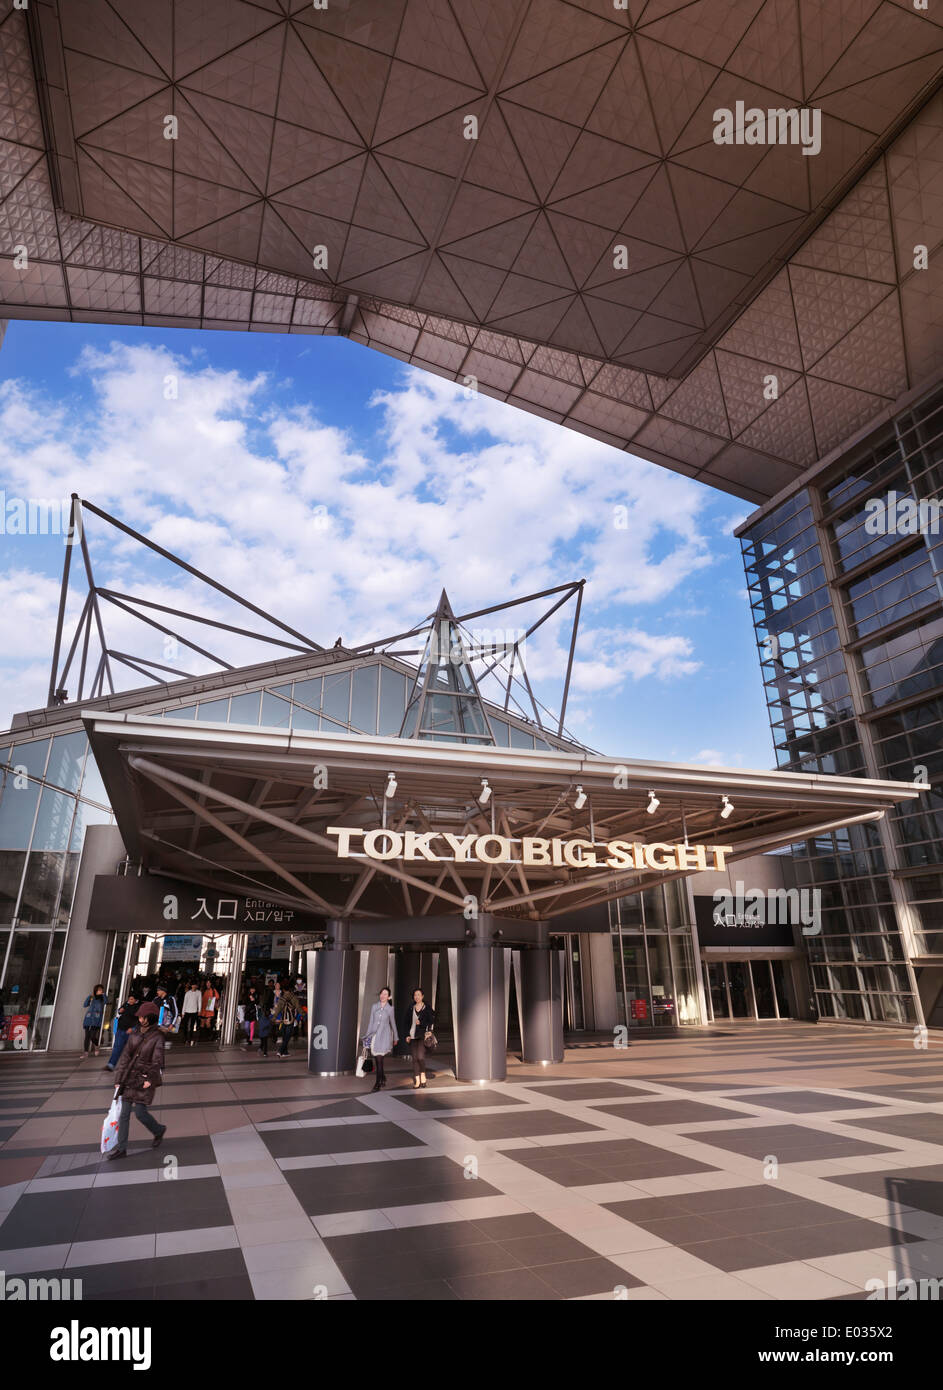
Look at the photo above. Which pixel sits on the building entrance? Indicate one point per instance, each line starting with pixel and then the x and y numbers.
pixel 746 989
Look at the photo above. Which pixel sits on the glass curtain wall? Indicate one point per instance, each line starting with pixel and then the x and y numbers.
pixel 655 965
pixel 846 585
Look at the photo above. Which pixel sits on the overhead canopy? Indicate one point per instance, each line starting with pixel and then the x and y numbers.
pixel 291 814
pixel 586 249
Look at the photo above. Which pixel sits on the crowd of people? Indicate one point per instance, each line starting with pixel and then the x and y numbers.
pixel 189 1006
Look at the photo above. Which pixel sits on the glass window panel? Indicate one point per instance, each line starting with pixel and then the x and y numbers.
pixel 184 712
pixel 32 756
pixel 44 1008
pixel 520 738
pixel 11 872
pixel 500 729
pixel 70 872
pixel 244 708
pixel 17 811
pixel 25 968
pixel 40 886
pixel 93 788
pixel 54 822
pixel 363 712
pixel 305 719
pixel 66 760
pixel 392 701
pixel 308 692
pixel 452 714
pixel 214 711
pixel 276 712
pixel 637 1001
pixel 659 964
pixel 336 699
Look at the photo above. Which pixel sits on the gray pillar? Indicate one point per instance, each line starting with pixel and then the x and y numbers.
pixel 541 1001
pixel 605 1005
pixel 332 1049
pixel 86 952
pixel 480 1009
pixel 374 975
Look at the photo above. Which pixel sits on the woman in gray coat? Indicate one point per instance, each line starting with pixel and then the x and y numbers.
pixel 382 1036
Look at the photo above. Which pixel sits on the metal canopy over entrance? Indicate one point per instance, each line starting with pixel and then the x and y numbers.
pixel 243 809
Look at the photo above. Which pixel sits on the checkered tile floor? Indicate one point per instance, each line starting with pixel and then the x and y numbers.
pixel 765 1161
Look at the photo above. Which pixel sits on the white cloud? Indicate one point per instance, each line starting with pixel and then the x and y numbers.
pixel 258 492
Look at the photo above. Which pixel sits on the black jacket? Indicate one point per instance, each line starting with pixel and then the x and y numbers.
pixel 426 1022
pixel 127 1018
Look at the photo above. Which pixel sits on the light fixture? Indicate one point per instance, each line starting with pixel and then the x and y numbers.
pixel 727 808
pixel 484 796
pixel 653 803
pixel 390 785
pixel 580 801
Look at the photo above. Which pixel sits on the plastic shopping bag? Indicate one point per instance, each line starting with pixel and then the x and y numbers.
pixel 362 1057
pixel 110 1126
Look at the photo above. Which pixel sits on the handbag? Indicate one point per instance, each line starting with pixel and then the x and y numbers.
pixel 430 1040
pixel 110 1126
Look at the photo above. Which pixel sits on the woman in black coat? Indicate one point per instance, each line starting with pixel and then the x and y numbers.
pixel 418 1025
pixel 140 1072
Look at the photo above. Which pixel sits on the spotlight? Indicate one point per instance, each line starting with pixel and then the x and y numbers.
pixel 580 801
pixel 390 785
pixel 484 796
pixel 653 803
pixel 727 808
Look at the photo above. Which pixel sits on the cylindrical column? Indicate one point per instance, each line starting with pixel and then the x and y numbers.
pixel 481 1007
pixel 332 1050
pixel 541 986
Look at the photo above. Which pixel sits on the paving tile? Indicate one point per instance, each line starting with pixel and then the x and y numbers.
pixel 670 1112
pixel 789 1143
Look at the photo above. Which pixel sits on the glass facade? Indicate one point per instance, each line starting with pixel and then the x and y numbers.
pixel 653 953
pixel 845 587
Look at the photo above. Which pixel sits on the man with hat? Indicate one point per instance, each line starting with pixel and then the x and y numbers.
pixel 138 1075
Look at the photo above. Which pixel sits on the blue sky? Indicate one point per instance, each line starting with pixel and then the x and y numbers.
pixel 341 490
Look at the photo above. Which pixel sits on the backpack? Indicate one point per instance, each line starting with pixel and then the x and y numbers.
pixel 288 1012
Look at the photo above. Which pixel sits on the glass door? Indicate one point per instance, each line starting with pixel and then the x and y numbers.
pixel 717 985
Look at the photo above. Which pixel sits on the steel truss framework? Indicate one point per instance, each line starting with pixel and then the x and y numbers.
pixel 246 813
pixel 466 660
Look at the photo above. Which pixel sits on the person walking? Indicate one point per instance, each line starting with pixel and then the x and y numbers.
pixel 285 1014
pixel 125 1021
pixel 382 1036
pixel 94 1007
pixel 138 1075
pixel 250 1017
pixel 209 1005
pixel 419 1024
pixel 167 1007
pixel 265 1030
pixel 190 1013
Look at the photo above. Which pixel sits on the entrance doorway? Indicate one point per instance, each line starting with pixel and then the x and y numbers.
pixel 746 989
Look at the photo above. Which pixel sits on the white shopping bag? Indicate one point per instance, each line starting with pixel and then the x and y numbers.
pixel 110 1126
pixel 360 1061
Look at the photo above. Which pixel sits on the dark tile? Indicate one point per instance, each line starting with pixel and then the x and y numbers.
pixel 431 1291
pixel 839 1238
pixel 331 1139
pixel 485 1257
pixel 730 1252
pixel 516 1285
pixel 606 1161
pixel 587 1090
pixel 48 1218
pixel 236 1288
pixel 806 1102
pixel 504 1228
pixel 789 1143
pixel 473 1098
pixel 671 1112
pixel 552 1247
pixel 922 1125
pixel 921 1188
pixel 340 1110
pixel 578 1278
pixel 521 1125
pixel 401 1182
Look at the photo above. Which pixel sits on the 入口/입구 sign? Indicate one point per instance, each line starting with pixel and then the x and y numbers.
pixel 385 844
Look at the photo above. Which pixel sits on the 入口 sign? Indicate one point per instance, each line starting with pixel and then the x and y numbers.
pixel 535 851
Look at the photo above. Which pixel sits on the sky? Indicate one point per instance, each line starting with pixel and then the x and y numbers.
pixel 341 491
